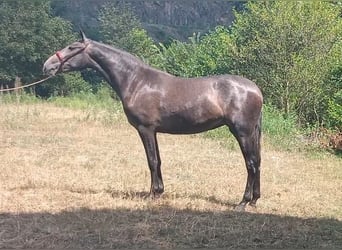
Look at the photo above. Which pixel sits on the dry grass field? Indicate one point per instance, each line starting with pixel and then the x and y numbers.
pixel 77 179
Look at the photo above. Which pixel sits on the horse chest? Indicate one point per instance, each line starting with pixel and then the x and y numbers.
pixel 142 111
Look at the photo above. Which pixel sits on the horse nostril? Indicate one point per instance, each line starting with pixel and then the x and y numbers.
pixel 49 70
pixel 46 70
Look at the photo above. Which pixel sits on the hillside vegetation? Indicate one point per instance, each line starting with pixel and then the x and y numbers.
pixel 163 19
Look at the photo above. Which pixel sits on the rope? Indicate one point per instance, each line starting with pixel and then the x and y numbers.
pixel 25 86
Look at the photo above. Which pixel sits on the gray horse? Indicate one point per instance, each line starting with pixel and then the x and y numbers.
pixel 155 101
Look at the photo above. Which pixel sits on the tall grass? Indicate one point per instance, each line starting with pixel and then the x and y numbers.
pixel 281 133
pixel 103 99
pixel 24 98
pixel 101 106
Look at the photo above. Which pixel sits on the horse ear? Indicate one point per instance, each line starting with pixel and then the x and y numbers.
pixel 83 36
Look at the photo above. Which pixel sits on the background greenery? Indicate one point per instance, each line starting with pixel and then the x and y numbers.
pixel 291 49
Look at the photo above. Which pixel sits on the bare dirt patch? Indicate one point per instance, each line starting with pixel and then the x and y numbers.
pixel 72 179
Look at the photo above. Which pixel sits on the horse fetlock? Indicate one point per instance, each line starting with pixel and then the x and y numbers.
pixel 160 189
pixel 253 202
pixel 157 188
pixel 156 193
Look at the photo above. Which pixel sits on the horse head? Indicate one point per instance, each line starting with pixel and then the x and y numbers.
pixel 71 58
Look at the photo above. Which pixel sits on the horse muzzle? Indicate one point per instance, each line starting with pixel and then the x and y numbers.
pixel 52 66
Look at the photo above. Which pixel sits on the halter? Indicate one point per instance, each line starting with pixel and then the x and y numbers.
pixel 63 60
pixel 59 56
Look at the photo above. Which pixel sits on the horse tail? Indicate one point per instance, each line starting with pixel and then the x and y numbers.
pixel 257 134
pixel 259 128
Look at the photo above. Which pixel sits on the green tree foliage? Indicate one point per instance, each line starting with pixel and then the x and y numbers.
pixel 140 44
pixel 175 58
pixel 116 22
pixel 333 115
pixel 289 48
pixel 200 56
pixel 120 27
pixel 29 34
pixel 216 49
pixel 64 85
pixel 335 110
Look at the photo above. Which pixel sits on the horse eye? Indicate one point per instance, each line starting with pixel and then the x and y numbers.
pixel 72 47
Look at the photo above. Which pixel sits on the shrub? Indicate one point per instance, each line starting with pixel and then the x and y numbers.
pixel 335 110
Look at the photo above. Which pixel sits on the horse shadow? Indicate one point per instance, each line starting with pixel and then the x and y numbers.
pixel 163 226
pixel 128 195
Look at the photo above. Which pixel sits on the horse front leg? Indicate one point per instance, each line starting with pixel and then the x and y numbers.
pixel 149 139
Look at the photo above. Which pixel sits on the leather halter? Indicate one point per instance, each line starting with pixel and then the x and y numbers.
pixel 59 56
pixel 62 59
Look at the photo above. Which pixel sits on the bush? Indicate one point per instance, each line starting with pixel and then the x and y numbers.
pixel 200 56
pixel 64 85
pixel 335 111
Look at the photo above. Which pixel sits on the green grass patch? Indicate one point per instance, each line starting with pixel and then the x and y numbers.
pixel 280 131
pixel 23 98
pixel 101 106
pixel 102 100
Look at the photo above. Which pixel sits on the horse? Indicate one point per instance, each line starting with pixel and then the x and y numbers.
pixel 155 101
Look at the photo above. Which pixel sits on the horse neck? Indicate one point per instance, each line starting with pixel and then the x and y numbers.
pixel 118 67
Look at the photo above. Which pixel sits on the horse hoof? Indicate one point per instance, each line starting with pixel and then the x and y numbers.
pixel 153 196
pixel 156 196
pixel 240 208
pixel 253 204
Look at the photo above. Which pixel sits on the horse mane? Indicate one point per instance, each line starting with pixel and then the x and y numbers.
pixel 133 59
pixel 121 52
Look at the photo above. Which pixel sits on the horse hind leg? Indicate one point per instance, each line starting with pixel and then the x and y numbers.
pixel 257 161
pixel 252 160
pixel 250 147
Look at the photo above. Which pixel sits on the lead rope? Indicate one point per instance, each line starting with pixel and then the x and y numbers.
pixel 25 86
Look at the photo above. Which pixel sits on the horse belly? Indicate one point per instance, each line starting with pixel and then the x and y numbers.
pixel 183 128
pixel 189 121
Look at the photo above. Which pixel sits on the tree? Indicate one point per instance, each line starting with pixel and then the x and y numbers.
pixel 120 27
pixel 29 34
pixel 199 56
pixel 116 22
pixel 288 48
